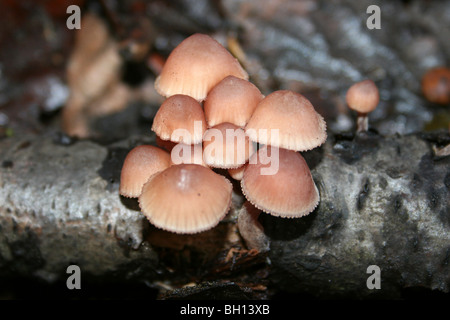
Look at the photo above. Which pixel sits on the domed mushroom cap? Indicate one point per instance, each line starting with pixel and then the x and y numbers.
pixel 180 118
pixel 226 146
pixel 363 96
pixel 140 163
pixel 287 120
pixel 232 100
pixel 289 193
pixel 195 66
pixel 436 85
pixel 186 198
pixel 187 153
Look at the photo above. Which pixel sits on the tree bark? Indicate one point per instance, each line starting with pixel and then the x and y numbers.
pixel 384 202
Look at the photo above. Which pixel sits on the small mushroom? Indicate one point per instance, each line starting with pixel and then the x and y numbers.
pixel 363 97
pixel 180 119
pixel 288 120
pixel 195 66
pixel 436 85
pixel 226 146
pixel 186 198
pixel 232 100
pixel 140 163
pixel 93 75
pixel 290 192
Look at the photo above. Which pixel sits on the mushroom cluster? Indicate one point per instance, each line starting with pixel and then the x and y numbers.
pixel 214 118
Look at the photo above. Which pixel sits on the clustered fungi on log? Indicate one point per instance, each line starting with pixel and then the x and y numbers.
pixel 187 196
pixel 298 254
pixel 393 214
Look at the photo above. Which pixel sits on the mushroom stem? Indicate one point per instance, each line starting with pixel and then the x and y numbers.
pixel 362 122
pixel 250 229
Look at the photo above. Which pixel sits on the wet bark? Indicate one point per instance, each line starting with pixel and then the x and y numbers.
pixel 384 202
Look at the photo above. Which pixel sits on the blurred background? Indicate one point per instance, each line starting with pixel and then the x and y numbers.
pixel 317 48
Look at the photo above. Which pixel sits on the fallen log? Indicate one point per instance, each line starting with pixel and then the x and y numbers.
pixel 384 202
